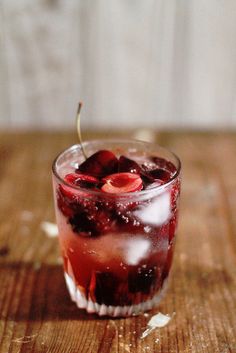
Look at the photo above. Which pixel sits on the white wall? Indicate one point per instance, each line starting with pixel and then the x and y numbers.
pixel 156 63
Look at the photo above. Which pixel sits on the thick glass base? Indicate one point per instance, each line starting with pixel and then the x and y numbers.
pixel 109 310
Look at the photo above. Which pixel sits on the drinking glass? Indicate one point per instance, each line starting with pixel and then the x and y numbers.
pixel 117 248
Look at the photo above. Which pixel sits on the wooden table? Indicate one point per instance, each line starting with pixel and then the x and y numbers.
pixel 35 310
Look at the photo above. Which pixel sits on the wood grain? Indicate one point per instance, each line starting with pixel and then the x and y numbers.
pixel 36 314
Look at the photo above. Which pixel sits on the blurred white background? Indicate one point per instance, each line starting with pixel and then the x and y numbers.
pixel 152 63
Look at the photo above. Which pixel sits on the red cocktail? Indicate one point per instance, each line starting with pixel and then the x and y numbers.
pixel 117 214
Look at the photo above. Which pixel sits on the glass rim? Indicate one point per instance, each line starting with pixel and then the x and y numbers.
pixel 161 187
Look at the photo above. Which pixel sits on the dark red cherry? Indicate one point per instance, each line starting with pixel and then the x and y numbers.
pixel 164 164
pixel 91 222
pixel 128 165
pixel 63 201
pixel 143 280
pixel 104 287
pixel 83 180
pixel 77 179
pixel 100 164
pixel 161 174
pixel 122 182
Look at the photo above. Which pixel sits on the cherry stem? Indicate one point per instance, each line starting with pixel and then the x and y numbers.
pixel 78 128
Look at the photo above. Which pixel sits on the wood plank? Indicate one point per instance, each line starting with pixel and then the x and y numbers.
pixel 36 314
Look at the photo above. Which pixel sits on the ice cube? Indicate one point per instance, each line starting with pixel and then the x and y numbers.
pixel 136 250
pixel 157 212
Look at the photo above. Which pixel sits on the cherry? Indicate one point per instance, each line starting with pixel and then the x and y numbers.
pixel 77 179
pixel 128 165
pixel 68 193
pixel 105 286
pixel 83 180
pixel 91 222
pixel 143 280
pixel 99 164
pixel 164 171
pixel 63 201
pixel 160 173
pixel 122 182
pixel 164 164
